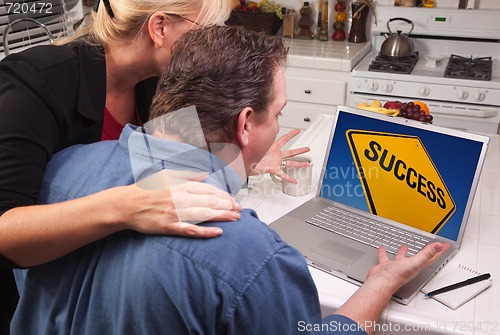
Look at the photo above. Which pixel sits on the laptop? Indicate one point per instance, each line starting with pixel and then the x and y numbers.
pixel 389 181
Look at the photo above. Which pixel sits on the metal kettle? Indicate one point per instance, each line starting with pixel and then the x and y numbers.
pixel 398 45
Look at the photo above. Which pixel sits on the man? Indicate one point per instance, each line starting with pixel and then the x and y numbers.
pixel 248 281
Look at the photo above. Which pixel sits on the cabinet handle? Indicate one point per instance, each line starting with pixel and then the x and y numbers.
pixel 307 91
pixel 306 119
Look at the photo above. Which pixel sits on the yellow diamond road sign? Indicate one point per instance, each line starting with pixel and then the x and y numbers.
pixel 400 180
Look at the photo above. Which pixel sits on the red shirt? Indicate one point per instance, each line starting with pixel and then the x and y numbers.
pixel 111 129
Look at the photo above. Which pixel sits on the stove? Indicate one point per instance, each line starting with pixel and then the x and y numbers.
pixel 456 69
pixel 469 68
pixel 383 63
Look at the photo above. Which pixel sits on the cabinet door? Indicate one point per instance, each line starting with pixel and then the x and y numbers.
pixel 301 115
pixel 316 91
pixel 315 86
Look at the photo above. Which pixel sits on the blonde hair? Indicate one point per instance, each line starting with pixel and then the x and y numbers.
pixel 130 16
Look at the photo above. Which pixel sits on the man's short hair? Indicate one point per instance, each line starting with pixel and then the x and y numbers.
pixel 220 70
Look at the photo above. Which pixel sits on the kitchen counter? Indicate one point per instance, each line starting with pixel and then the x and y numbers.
pixel 481 242
pixel 327 55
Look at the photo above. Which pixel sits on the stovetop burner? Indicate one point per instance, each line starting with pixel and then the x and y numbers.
pixel 469 68
pixel 402 65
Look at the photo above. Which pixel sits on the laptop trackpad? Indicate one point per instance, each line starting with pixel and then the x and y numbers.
pixel 338 252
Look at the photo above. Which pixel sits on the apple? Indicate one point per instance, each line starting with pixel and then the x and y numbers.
pixel 338 35
pixel 340 6
pixel 338 25
pixel 393 104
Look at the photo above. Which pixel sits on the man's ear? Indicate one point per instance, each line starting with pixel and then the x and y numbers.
pixel 157 25
pixel 244 127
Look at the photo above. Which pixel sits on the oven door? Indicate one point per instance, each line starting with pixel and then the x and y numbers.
pixel 469 117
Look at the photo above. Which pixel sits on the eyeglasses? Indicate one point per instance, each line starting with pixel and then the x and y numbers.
pixel 183 18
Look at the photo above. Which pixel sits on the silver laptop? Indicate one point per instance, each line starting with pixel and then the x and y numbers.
pixel 386 181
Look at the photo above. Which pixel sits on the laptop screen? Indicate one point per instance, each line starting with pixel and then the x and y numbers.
pixel 419 175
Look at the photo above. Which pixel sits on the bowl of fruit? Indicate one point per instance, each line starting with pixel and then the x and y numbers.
pixel 413 110
pixel 257 16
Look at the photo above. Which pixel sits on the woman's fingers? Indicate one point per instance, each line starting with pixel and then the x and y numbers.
pixel 196 202
pixel 202 214
pixel 193 230
pixel 196 231
pixel 175 201
pixel 195 194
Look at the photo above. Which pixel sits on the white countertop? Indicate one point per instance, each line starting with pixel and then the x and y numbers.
pixel 325 55
pixel 480 248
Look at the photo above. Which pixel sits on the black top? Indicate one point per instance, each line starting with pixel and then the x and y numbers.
pixel 51 97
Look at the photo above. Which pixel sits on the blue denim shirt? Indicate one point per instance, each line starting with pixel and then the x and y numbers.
pixel 248 281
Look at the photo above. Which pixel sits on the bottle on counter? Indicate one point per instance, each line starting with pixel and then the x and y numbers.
pixel 339 33
pixel 289 20
pixel 322 32
pixel 305 22
pixel 360 11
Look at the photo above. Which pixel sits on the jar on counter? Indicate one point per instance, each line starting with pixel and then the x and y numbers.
pixel 289 23
pixel 323 20
pixel 305 22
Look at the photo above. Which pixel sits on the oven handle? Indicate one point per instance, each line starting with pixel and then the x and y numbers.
pixel 434 107
pixel 470 112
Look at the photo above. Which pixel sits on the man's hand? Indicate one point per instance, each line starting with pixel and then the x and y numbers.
pixel 271 162
pixel 402 269
pixel 366 305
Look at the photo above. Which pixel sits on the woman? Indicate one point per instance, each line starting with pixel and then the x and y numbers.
pixel 85 90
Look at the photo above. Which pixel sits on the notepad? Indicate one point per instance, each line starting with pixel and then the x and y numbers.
pixel 456 298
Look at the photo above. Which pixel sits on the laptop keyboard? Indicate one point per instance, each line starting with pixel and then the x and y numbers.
pixel 367 231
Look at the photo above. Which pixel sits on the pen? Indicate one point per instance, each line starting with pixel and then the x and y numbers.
pixel 458 285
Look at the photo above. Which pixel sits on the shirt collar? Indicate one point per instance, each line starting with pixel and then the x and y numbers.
pixel 149 154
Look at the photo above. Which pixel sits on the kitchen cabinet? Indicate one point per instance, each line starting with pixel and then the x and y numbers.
pixel 317 74
pixel 311 93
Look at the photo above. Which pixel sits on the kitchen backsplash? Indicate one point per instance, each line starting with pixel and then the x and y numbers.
pixel 296 4
pixel 483 4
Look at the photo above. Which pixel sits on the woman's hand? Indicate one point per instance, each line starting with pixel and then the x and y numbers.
pixel 165 203
pixel 172 202
pixel 271 162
